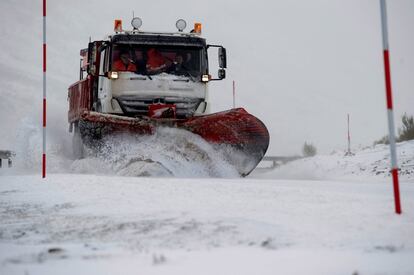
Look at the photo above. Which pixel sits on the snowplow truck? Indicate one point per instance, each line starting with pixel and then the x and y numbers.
pixel 134 81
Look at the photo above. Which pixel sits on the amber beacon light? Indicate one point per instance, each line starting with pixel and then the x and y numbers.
pixel 197 27
pixel 118 25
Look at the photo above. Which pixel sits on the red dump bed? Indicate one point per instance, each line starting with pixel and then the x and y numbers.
pixel 80 99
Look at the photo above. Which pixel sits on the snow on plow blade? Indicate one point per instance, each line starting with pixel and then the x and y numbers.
pixel 247 136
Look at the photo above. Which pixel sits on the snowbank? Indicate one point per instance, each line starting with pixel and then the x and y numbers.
pixel 369 164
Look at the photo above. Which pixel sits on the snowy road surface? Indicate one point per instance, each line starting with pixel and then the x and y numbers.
pixel 88 224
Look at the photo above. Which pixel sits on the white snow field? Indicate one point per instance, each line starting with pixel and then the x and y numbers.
pixel 268 223
pixel 151 207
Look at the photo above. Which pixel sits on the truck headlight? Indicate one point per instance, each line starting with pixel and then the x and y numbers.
pixel 113 75
pixel 205 77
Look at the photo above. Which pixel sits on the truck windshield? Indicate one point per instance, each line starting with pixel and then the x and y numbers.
pixel 186 61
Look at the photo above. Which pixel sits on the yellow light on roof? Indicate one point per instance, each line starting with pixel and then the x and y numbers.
pixel 118 25
pixel 197 27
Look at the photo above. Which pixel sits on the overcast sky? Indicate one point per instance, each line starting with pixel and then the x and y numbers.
pixel 300 66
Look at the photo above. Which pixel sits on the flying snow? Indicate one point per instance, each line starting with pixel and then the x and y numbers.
pixel 169 152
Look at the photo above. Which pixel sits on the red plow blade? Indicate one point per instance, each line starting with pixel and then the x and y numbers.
pixel 245 134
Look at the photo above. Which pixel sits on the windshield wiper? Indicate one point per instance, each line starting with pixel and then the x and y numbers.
pixel 185 72
pixel 134 59
pixel 144 73
pixel 189 75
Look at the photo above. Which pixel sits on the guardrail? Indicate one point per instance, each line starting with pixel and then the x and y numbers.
pixel 276 161
pixel 5 154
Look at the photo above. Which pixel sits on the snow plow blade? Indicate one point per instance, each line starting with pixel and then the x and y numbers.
pixel 247 136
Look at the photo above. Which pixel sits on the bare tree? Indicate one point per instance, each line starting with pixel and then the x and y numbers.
pixel 309 150
pixel 407 130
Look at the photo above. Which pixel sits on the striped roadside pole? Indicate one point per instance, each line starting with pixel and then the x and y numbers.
pixel 234 94
pixel 44 92
pixel 349 139
pixel 390 113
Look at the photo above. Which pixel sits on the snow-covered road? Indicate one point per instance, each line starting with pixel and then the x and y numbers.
pixel 88 224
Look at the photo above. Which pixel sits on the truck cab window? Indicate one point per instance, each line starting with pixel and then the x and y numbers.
pixel 158 59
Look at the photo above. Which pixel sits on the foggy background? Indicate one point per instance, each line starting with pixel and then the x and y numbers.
pixel 299 66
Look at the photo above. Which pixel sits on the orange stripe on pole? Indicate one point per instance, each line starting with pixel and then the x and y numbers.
pixel 44 92
pixel 387 72
pixel 44 112
pixel 44 166
pixel 397 199
pixel 44 57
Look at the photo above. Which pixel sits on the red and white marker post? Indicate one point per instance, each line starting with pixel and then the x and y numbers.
pixel 44 92
pixel 234 94
pixel 391 128
pixel 349 140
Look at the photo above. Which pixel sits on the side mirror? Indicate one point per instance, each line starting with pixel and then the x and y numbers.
pixel 222 57
pixel 222 61
pixel 91 58
pixel 221 73
pixel 94 57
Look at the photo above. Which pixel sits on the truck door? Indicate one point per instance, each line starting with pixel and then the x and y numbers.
pixel 94 57
pixel 104 83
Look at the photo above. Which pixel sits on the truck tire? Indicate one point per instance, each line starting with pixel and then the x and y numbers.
pixel 77 143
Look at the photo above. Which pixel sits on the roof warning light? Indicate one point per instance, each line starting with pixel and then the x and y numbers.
pixel 118 25
pixel 197 28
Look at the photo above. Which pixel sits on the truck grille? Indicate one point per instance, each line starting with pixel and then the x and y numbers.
pixel 138 106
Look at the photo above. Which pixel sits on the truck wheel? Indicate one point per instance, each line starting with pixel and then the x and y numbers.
pixel 77 143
